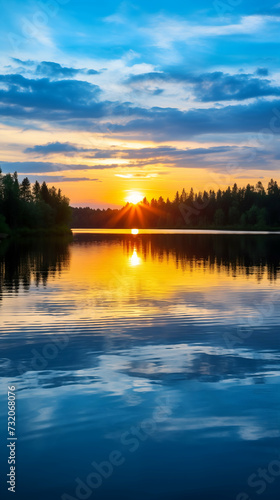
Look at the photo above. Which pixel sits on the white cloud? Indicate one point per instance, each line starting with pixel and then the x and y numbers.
pixel 164 31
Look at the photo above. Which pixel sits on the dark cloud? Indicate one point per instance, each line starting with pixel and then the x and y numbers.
pixel 54 147
pixel 249 177
pixel 158 91
pixel 172 124
pixel 262 72
pixel 58 99
pixel 60 178
pixel 63 100
pixel 76 104
pixel 132 154
pixel 215 157
pixel 24 63
pixel 216 86
pixel 55 70
pixel 35 167
pixel 161 152
pixel 92 72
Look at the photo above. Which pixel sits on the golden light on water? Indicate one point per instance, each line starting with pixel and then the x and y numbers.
pixel 134 231
pixel 134 260
pixel 116 273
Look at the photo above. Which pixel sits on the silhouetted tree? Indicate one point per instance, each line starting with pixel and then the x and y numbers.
pixel 241 208
pixel 36 207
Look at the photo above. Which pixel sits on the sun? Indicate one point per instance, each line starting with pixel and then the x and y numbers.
pixel 134 197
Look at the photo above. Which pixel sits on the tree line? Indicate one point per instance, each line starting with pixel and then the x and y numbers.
pixel 36 207
pixel 250 207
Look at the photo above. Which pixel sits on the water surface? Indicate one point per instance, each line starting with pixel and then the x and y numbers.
pixel 161 347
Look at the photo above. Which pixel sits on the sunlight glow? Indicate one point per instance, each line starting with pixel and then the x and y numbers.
pixel 134 197
pixel 134 231
pixel 134 260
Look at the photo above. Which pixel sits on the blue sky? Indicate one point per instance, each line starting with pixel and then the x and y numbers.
pixel 113 97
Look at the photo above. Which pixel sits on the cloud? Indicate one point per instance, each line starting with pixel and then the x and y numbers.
pixel 29 167
pixel 162 152
pixel 60 178
pixel 262 72
pixel 164 32
pixel 62 99
pixel 76 104
pixel 92 72
pixel 214 157
pixel 173 124
pixel 55 70
pixel 54 147
pixel 142 175
pixel 215 87
pixel 28 62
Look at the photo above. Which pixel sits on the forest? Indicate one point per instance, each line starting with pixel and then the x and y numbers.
pixel 32 208
pixel 250 207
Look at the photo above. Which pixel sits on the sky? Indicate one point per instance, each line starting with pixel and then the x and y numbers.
pixel 109 99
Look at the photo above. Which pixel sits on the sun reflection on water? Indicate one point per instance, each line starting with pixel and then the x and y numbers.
pixel 134 260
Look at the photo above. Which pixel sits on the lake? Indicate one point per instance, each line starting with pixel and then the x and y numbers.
pixel 146 365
